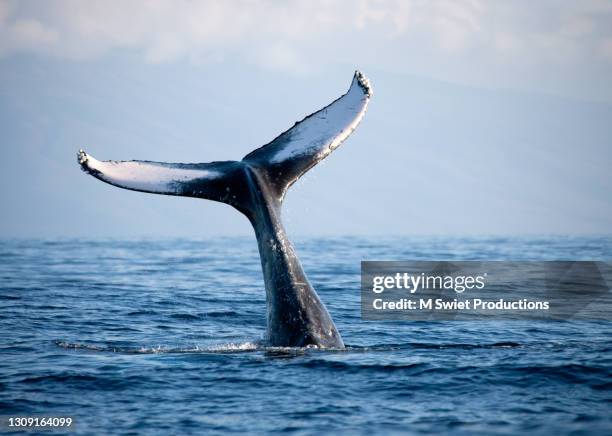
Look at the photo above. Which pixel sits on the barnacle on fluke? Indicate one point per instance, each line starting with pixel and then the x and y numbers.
pixel 364 82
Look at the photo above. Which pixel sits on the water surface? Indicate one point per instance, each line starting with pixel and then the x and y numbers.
pixel 165 336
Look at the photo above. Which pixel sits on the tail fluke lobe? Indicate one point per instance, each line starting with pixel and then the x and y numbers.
pixel 309 141
pixel 212 181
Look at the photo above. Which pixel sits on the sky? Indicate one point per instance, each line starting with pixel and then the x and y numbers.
pixel 488 117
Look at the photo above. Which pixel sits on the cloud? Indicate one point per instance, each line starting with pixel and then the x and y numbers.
pixel 451 39
pixel 164 30
pixel 160 30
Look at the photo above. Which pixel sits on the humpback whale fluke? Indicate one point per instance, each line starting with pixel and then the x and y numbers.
pixel 256 186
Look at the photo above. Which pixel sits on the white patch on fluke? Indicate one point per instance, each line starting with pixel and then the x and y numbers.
pixel 323 131
pixel 143 176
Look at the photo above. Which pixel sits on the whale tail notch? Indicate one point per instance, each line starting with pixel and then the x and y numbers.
pixel 282 161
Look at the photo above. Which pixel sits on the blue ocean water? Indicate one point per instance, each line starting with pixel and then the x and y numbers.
pixel 162 337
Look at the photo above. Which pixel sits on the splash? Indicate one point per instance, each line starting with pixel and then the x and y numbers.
pixel 259 346
pixel 160 349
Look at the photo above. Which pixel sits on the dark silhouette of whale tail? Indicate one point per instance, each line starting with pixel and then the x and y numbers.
pixel 256 186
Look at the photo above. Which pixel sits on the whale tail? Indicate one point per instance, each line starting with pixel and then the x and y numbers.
pixel 256 186
pixel 280 162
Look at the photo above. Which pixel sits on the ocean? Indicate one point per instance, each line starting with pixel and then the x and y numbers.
pixel 164 337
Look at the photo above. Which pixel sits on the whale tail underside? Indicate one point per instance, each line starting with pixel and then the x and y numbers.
pixel 282 161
